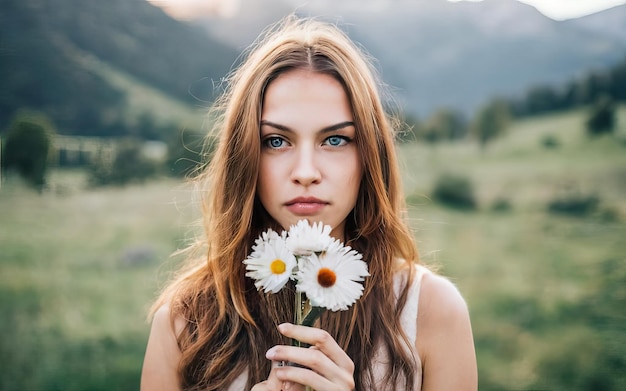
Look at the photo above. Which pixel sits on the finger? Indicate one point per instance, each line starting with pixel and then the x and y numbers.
pixel 320 339
pixel 313 366
pixel 273 383
pixel 309 358
pixel 296 377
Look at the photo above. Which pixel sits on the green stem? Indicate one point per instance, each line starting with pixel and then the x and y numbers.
pixel 298 309
pixel 312 316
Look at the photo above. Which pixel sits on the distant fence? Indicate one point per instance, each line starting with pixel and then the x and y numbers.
pixel 80 151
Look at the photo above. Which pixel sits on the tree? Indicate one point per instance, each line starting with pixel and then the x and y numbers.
pixel 26 147
pixel 602 117
pixel 491 121
pixel 446 124
pixel 617 89
pixel 542 99
pixel 129 165
pixel 455 190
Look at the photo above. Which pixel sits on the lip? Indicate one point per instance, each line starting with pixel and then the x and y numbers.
pixel 305 206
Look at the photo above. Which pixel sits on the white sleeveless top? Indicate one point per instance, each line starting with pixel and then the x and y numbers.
pixel 408 320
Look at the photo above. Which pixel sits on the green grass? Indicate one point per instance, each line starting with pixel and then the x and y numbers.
pixel 79 267
pixel 78 271
pixel 545 313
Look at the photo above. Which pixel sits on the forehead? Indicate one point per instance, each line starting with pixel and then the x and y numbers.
pixel 314 81
pixel 305 93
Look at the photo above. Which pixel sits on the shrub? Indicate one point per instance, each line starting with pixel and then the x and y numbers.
pixel 602 118
pixel 501 205
pixel 129 165
pixel 574 204
pixel 608 214
pixel 549 141
pixel 27 146
pixel 491 121
pixel 455 191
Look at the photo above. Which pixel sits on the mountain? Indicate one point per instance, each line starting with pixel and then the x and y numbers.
pixel 91 65
pixel 435 53
pixel 611 23
pixel 59 57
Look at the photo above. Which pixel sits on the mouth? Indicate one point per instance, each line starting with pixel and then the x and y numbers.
pixel 305 206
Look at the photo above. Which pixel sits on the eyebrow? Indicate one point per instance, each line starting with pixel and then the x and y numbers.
pixel 326 129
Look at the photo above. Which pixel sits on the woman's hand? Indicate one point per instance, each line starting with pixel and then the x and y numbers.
pixel 324 365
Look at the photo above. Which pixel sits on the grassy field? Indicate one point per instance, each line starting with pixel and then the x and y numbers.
pixel 78 271
pixel 546 292
pixel 79 267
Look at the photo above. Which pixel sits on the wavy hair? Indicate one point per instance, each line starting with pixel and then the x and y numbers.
pixel 229 324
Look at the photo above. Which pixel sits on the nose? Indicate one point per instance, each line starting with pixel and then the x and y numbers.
pixel 306 170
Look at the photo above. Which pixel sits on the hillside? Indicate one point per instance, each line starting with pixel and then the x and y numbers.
pixel 611 23
pixel 48 51
pixel 100 68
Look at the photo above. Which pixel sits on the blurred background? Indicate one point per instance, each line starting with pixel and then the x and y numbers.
pixel 513 157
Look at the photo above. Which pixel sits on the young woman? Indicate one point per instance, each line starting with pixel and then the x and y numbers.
pixel 303 135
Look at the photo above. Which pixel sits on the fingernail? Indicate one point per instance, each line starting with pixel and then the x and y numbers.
pixel 270 353
pixel 282 326
pixel 286 385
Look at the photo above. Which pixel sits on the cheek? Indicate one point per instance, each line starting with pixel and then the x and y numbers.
pixel 356 186
pixel 356 173
pixel 266 181
pixel 352 181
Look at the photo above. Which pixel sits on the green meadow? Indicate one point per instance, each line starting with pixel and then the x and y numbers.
pixel 79 267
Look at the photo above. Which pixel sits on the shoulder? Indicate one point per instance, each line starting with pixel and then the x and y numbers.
pixel 445 342
pixel 164 320
pixel 162 352
pixel 433 289
pixel 440 299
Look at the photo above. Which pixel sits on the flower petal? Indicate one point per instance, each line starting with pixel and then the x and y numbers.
pixel 305 239
pixel 269 249
pixel 348 268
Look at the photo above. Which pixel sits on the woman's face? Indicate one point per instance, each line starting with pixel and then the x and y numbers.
pixel 310 167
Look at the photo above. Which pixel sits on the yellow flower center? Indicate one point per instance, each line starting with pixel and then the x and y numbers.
pixel 277 266
pixel 326 277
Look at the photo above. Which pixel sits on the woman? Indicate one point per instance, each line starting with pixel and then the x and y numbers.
pixel 303 135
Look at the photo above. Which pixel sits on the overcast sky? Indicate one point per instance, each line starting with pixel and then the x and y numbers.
pixel 555 9
pixel 566 9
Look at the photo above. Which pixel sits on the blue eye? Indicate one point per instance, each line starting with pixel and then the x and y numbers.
pixel 274 142
pixel 336 141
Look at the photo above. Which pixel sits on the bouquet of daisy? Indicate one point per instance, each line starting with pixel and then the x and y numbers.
pixel 326 273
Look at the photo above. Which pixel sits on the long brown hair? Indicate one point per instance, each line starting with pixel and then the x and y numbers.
pixel 230 325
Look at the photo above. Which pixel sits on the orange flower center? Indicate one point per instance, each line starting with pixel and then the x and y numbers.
pixel 326 277
pixel 277 266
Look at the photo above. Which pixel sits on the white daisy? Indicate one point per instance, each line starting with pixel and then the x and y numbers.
pixel 271 264
pixel 332 279
pixel 305 239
